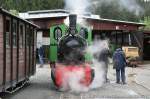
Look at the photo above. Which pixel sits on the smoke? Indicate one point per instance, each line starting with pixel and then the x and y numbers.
pixel 83 6
pixel 97 49
pixel 99 78
pixel 80 21
pixel 72 79
pixel 77 6
pixel 130 5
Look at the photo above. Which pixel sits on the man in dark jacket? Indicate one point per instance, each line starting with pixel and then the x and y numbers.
pixel 119 65
pixel 103 57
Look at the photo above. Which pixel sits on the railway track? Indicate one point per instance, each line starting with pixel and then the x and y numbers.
pixel 140 89
pixel 137 87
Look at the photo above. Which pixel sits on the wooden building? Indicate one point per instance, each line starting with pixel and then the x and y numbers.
pixel 122 33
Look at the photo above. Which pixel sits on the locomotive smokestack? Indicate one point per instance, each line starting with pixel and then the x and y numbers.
pixel 72 20
pixel 72 23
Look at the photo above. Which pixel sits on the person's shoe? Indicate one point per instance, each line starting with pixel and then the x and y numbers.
pixel 118 82
pixel 107 81
pixel 124 83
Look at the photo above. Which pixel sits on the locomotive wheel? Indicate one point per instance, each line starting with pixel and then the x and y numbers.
pixel 53 76
pixel 92 75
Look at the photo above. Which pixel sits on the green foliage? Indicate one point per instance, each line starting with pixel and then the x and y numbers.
pixel 14 12
pixel 147 22
pixel 28 5
pixel 110 11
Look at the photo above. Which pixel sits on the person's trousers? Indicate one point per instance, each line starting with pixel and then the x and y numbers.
pixel 41 60
pixel 120 73
pixel 106 71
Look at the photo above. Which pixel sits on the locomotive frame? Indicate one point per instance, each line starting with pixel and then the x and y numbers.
pixel 18 51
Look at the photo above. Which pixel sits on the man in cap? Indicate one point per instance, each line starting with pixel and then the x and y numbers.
pixel 119 64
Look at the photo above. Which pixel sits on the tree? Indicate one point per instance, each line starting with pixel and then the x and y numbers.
pixel 14 12
pixel 147 22
pixel 109 10
pixel 113 11
pixel 28 5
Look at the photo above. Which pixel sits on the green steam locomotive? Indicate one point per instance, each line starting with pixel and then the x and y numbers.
pixel 58 32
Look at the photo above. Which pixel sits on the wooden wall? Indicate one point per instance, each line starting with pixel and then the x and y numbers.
pixel 1 49
pixel 17 60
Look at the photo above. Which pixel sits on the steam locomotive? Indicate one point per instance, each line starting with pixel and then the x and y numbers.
pixel 67 52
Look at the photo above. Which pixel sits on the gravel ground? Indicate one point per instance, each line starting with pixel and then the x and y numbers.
pixel 41 87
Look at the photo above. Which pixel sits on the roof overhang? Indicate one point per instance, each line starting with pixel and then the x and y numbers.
pixel 17 17
pixel 60 13
pixel 116 21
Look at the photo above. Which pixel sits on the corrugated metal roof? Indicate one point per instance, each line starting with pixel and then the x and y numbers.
pixel 44 14
pixel 64 13
pixel 48 11
pixel 118 21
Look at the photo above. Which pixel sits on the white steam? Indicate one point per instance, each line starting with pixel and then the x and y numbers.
pixel 80 21
pixel 77 6
pixel 72 79
pixel 130 5
pixel 99 67
pixel 99 78
pixel 83 6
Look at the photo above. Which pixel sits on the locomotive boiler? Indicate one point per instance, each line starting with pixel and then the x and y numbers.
pixel 67 53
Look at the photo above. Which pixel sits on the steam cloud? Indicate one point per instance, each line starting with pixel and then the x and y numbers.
pixel 71 82
pixel 71 79
pixel 131 5
pixel 82 6
pixel 97 48
pixel 77 6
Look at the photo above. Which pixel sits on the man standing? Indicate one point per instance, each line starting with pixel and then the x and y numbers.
pixel 119 65
pixel 103 57
pixel 40 54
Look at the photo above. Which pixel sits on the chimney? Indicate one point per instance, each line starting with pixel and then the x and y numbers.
pixel 72 24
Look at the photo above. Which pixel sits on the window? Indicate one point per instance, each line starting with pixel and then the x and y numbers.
pixel 84 33
pixel 126 39
pixel 8 33
pixel 119 37
pixel 113 37
pixel 57 33
pixel 14 34
pixel 21 35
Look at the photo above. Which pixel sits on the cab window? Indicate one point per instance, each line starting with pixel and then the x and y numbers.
pixel 84 33
pixel 57 33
